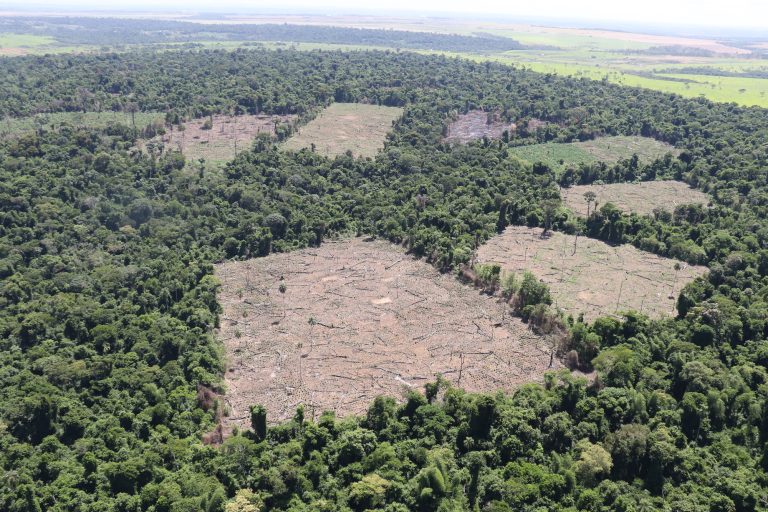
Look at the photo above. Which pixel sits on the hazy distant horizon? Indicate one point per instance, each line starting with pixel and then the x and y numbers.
pixel 723 26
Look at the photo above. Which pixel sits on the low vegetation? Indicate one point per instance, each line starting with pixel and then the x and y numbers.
pixel 642 198
pixel 95 120
pixel 559 156
pixel 355 127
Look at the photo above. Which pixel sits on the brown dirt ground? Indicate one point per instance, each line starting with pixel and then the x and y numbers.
pixel 12 52
pixel 385 323
pixel 356 127
pixel 217 145
pixel 474 126
pixel 599 279
pixel 641 198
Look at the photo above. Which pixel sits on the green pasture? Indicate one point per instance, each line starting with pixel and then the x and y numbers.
pixel 15 126
pixel 558 156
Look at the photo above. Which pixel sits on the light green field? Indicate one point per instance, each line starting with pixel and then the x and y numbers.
pixel 14 126
pixel 342 127
pixel 558 156
pixel 24 40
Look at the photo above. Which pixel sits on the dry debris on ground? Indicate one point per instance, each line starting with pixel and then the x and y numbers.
pixel 597 279
pixel 356 319
pixel 641 198
pixel 475 125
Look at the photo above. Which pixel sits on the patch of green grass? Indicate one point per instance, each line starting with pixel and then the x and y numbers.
pixel 558 156
pixel 8 40
pixel 355 127
pixel 15 126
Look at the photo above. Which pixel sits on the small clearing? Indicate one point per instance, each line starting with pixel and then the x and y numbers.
pixel 599 279
pixel 226 136
pixel 603 149
pixel 641 198
pixel 96 120
pixel 475 125
pixel 357 319
pixel 356 127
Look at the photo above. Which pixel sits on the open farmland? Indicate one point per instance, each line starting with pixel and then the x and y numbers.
pixel 603 149
pixel 475 125
pixel 598 279
pixel 641 198
pixel 357 319
pixel 342 127
pixel 226 136
pixel 96 120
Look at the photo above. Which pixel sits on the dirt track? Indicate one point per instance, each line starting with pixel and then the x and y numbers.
pixel 356 320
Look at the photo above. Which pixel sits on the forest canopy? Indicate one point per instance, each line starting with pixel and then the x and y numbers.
pixel 109 369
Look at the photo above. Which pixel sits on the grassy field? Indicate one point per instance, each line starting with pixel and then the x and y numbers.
pixel 604 149
pixel 597 279
pixel 355 127
pixel 641 198
pixel 13 126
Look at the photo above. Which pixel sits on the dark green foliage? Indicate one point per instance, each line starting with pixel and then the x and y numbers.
pixel 108 303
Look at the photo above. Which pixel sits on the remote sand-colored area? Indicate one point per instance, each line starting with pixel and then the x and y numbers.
pixel 597 279
pixel 357 319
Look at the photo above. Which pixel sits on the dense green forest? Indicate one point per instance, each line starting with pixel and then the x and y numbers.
pixel 107 356
pixel 120 32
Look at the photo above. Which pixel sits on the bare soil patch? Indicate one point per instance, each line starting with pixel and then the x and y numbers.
pixel 359 319
pixel 12 52
pixel 641 198
pixel 356 127
pixel 226 136
pixel 599 279
pixel 475 125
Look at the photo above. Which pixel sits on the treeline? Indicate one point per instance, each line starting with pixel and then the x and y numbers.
pixel 120 32
pixel 107 299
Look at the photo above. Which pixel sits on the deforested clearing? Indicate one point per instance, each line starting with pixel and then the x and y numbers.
pixel 475 125
pixel 641 198
pixel 218 138
pixel 333 327
pixel 95 120
pixel 589 276
pixel 356 127
pixel 558 156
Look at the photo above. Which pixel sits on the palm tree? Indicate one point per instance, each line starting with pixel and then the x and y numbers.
pixel 590 197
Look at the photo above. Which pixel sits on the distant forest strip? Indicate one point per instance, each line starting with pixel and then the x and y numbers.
pixel 109 31
pixel 712 71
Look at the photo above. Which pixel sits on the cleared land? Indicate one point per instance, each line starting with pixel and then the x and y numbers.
pixel 603 149
pixel 599 279
pixel 342 127
pixel 219 144
pixel 641 198
pixel 13 126
pixel 475 125
pixel 358 319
